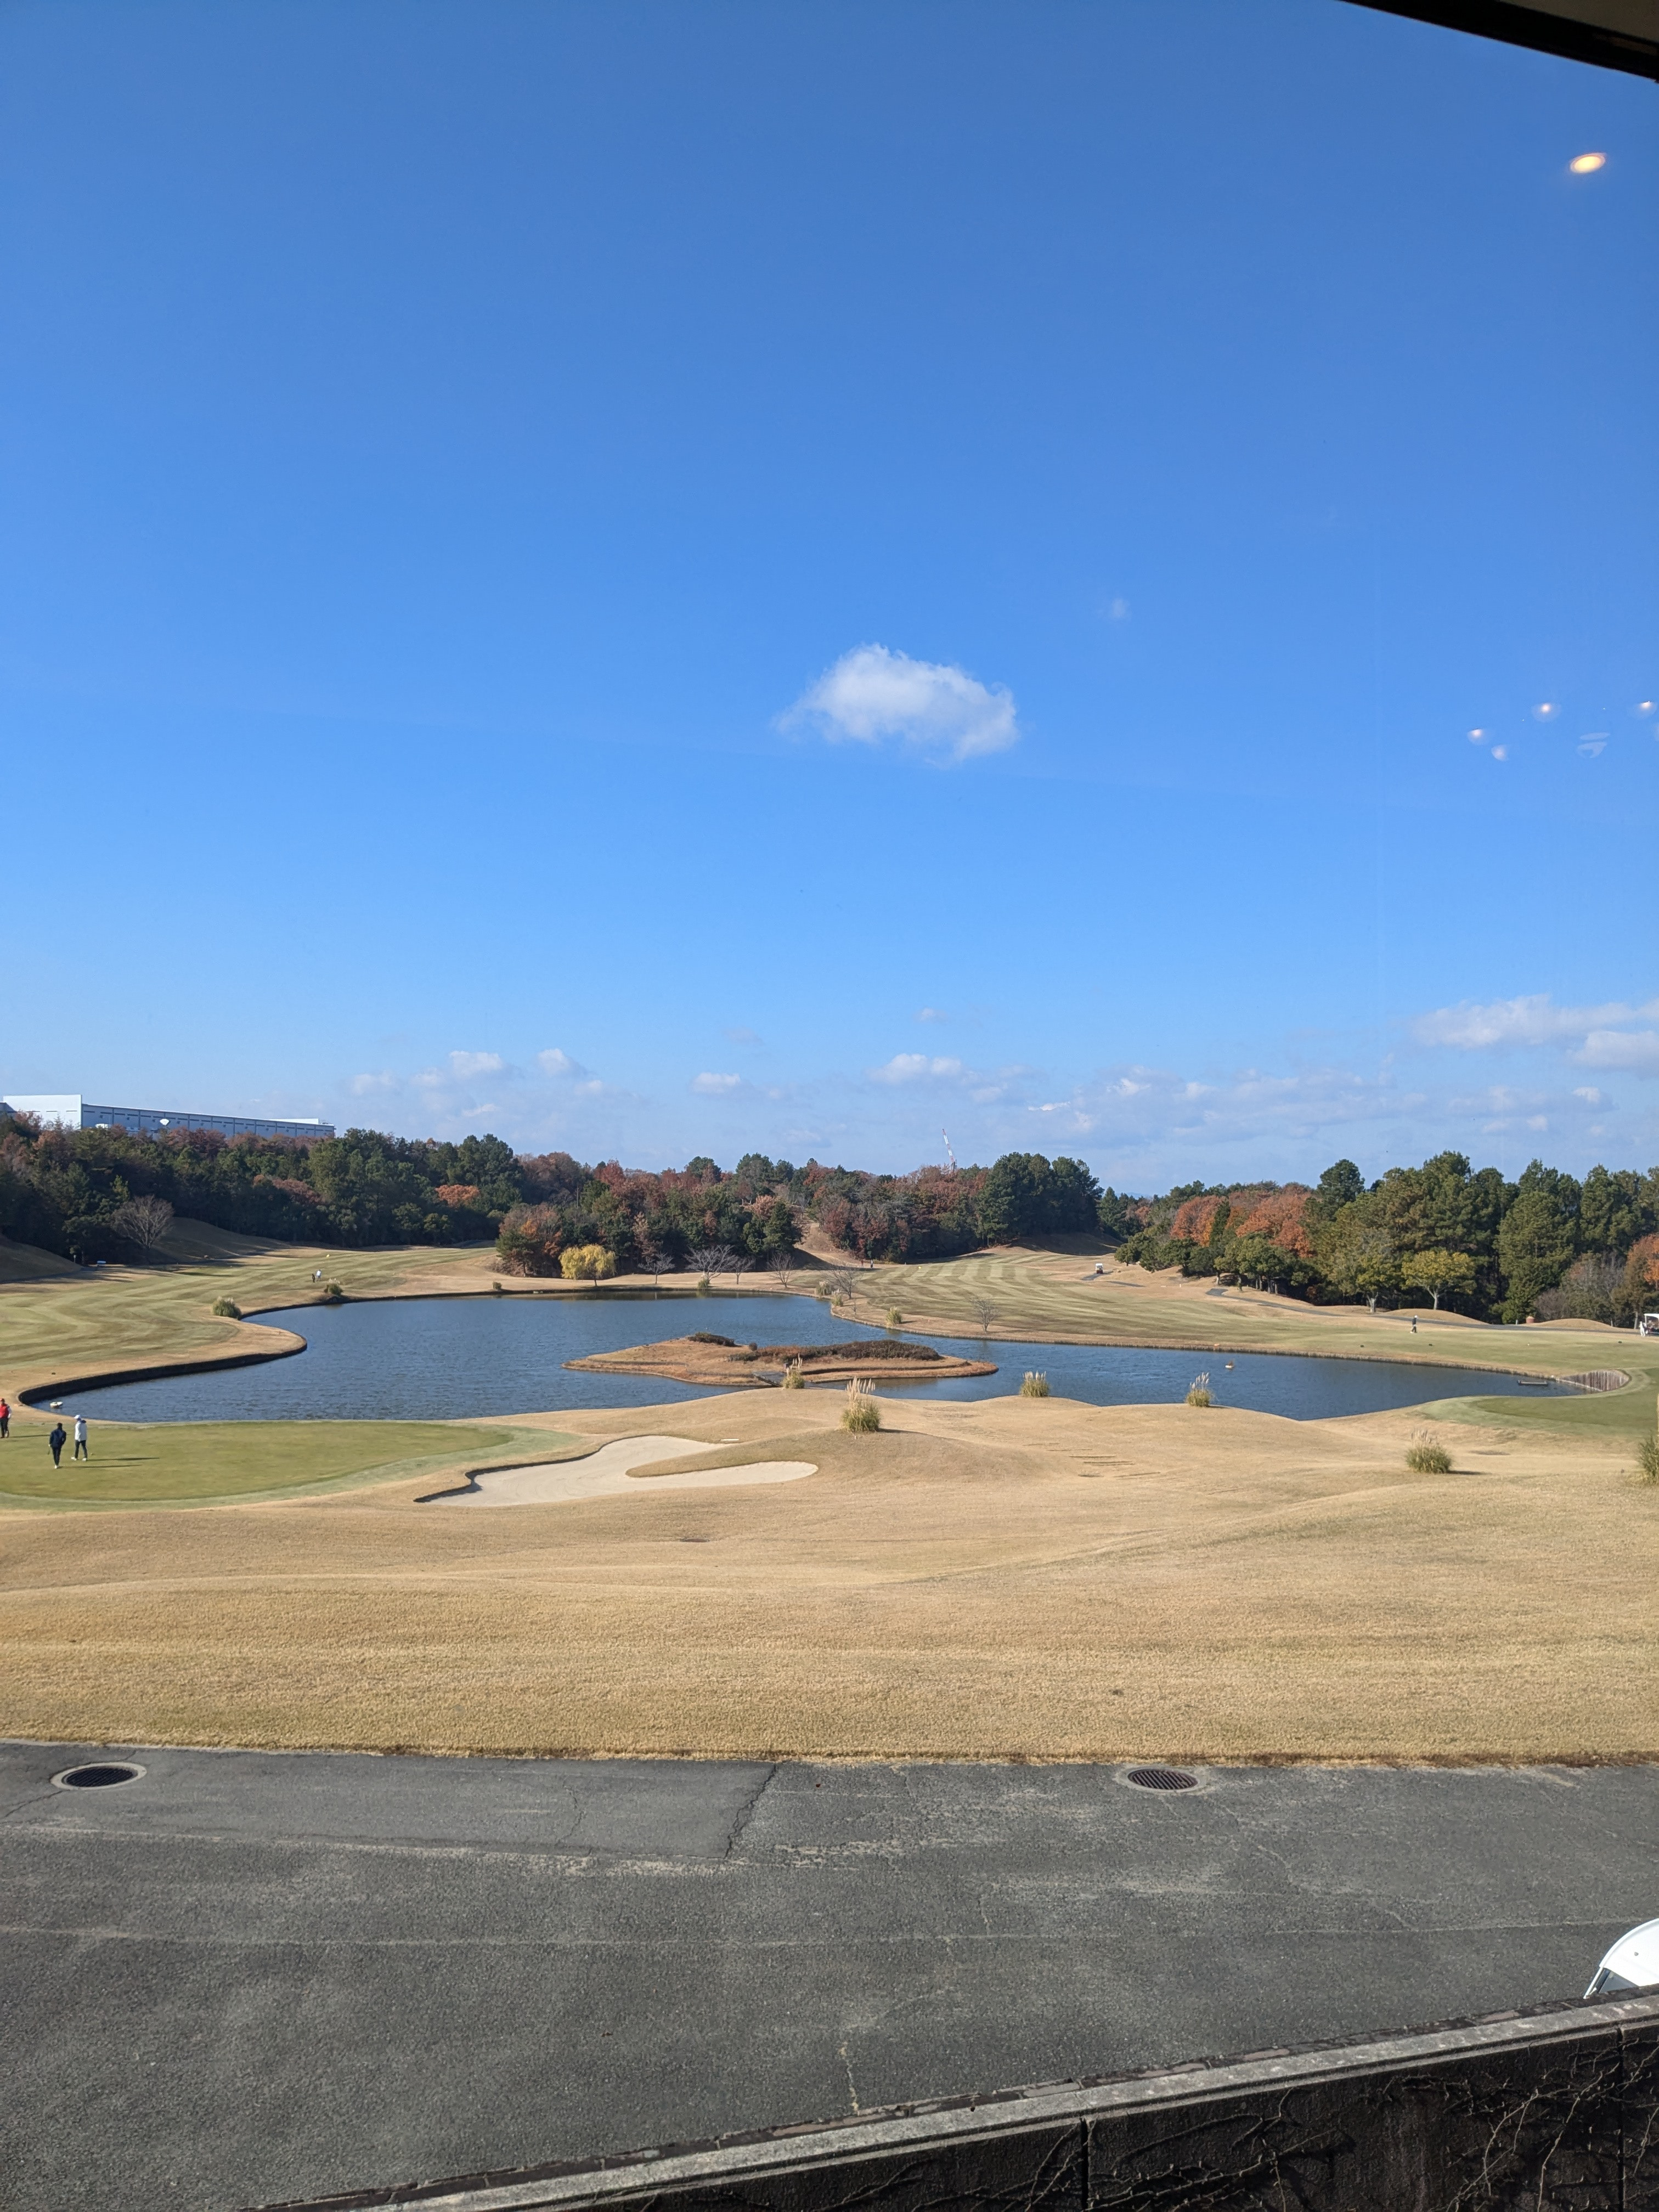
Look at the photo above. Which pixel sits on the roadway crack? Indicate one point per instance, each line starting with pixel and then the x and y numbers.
pixel 746 1811
pixel 851 2090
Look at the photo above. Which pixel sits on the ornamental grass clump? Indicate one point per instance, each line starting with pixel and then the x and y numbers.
pixel 860 1413
pixel 895 1318
pixel 792 1377
pixel 1647 1461
pixel 1200 1393
pixel 228 1309
pixel 1035 1386
pixel 1427 1457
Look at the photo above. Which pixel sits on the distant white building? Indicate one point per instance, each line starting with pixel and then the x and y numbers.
pixel 70 1111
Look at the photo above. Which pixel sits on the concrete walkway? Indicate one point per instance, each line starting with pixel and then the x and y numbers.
pixel 250 1977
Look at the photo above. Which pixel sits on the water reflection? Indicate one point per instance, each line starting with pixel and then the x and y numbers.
pixel 433 1358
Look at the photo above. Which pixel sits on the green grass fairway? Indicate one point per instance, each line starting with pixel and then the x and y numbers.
pixel 182 1462
pixel 1610 1414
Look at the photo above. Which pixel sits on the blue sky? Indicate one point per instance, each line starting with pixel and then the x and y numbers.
pixel 681 578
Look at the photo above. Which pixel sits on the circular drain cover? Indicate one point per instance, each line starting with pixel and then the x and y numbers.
pixel 1160 1777
pixel 104 1775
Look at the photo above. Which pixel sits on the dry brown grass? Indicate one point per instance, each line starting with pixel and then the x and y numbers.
pixel 1007 1578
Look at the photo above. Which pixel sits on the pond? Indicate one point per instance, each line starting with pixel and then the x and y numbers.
pixel 438 1359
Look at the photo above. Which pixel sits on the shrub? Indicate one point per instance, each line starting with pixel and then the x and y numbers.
pixel 228 1309
pixel 702 1286
pixel 895 1318
pixel 333 1293
pixel 860 1413
pixel 1647 1461
pixel 1200 1393
pixel 1427 1457
pixel 872 1348
pixel 707 1336
pixel 792 1377
pixel 497 1288
pixel 1035 1386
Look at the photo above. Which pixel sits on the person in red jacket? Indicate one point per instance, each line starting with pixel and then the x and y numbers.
pixel 5 1420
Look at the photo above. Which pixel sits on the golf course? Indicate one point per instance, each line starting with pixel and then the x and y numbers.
pixel 1020 1578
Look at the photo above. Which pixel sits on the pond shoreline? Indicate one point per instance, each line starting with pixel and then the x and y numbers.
pixel 396 1359
pixel 36 1395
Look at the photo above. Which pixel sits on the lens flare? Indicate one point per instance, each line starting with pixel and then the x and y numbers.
pixel 1500 753
pixel 1477 737
pixel 1586 165
pixel 1546 711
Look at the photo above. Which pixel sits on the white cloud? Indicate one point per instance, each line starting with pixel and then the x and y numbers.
pixel 1636 1051
pixel 871 694
pixel 1590 1035
pixel 716 1086
pixel 373 1086
pixel 1590 1096
pixel 561 1066
pixel 931 1014
pixel 466 1066
pixel 1527 1021
pixel 740 1036
pixel 916 1068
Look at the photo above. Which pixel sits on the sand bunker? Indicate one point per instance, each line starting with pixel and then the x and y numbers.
pixel 609 1473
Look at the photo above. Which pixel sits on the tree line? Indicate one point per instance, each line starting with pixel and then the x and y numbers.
pixel 1444 1233
pixel 1546 1246
pixel 74 1191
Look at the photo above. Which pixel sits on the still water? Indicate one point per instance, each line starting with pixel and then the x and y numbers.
pixel 438 1358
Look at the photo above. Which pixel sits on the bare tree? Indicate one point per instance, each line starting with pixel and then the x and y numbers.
pixel 143 1221
pixel 984 1313
pixel 782 1265
pixel 843 1284
pixel 710 1259
pixel 740 1261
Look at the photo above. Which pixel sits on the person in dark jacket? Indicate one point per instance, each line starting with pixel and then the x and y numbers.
pixel 58 1439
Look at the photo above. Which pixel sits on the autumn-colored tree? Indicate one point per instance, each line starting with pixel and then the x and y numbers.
pixel 1639 1292
pixel 1283 1216
pixel 530 1241
pixel 586 1263
pixel 1439 1273
pixel 1196 1217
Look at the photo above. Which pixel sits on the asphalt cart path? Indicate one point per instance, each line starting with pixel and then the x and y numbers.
pixel 247 1976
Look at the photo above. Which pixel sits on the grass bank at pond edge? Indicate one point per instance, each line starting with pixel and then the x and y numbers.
pixel 204 1463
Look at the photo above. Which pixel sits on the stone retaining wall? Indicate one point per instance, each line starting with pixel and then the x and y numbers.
pixel 1555 2110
